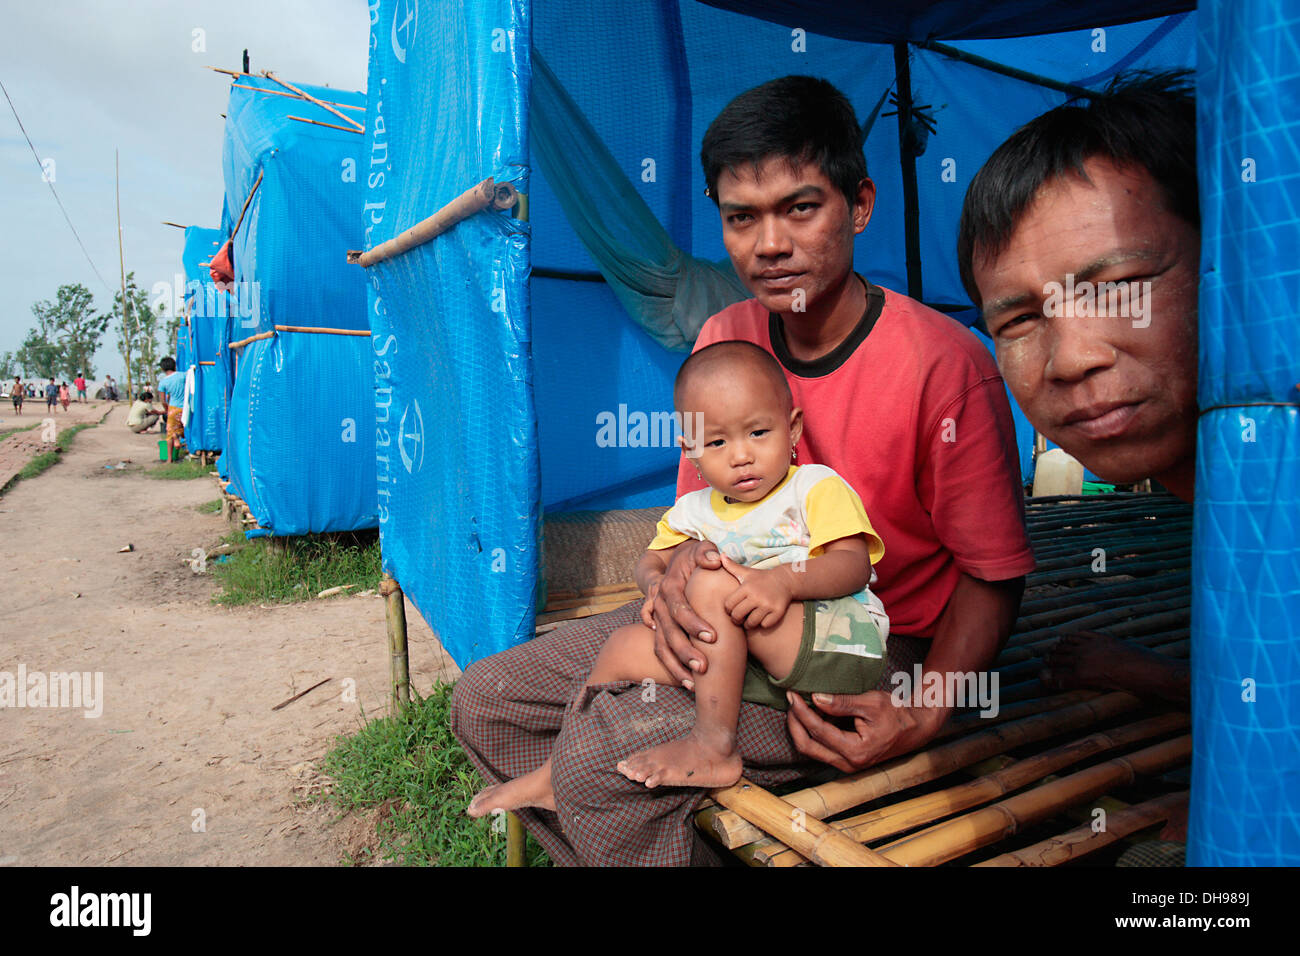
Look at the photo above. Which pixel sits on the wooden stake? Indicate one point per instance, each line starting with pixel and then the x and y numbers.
pixel 516 841
pixel 399 667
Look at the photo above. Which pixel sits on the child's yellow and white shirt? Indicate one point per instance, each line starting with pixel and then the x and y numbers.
pixel 812 507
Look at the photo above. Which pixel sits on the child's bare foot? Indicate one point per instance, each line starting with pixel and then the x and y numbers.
pixel 530 790
pixel 689 762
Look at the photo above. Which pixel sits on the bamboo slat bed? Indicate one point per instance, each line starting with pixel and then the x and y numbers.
pixel 994 791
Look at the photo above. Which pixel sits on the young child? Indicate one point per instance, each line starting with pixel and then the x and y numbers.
pixel 787 535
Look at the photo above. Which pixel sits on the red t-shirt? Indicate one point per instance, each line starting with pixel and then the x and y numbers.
pixel 915 418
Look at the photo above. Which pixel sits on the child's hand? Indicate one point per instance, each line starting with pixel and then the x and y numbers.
pixel 762 598
pixel 648 608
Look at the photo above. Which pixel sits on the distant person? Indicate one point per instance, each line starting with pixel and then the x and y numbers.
pixel 80 383
pixel 16 394
pixel 51 395
pixel 110 388
pixel 65 397
pixel 144 414
pixel 171 390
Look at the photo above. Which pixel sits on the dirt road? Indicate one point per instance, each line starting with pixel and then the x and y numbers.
pixel 187 764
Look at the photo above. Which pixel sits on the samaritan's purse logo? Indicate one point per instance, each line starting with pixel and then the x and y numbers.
pixel 410 437
pixel 405 19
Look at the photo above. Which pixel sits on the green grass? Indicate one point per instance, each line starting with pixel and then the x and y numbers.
pixel 182 470
pixel 47 459
pixel 14 431
pixel 209 507
pixel 415 766
pixel 258 574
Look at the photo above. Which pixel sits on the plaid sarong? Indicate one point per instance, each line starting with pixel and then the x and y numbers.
pixel 510 710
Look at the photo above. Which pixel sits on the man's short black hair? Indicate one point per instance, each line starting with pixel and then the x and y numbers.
pixel 168 364
pixel 1142 119
pixel 146 396
pixel 801 118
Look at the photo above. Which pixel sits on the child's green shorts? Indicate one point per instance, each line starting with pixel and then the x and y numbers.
pixel 841 652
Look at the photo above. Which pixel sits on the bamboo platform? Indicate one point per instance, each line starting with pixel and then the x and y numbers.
pixel 1011 790
pixel 233 508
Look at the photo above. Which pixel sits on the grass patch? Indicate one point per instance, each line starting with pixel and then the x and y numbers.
pixel 413 764
pixel 46 459
pixel 5 433
pixel 209 507
pixel 182 470
pixel 297 569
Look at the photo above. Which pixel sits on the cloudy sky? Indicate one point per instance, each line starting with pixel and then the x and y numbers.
pixel 97 75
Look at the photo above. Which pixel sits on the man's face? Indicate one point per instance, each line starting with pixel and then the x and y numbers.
pixel 789 232
pixel 1113 382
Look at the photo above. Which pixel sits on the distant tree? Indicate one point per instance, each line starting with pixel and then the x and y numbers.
pixel 8 366
pixel 67 334
pixel 144 325
pixel 38 355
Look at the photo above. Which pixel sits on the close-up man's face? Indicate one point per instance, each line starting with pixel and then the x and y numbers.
pixel 1110 373
pixel 789 231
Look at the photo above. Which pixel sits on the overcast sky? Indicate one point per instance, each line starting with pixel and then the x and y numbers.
pixel 87 77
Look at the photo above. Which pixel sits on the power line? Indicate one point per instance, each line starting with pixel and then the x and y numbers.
pixel 49 182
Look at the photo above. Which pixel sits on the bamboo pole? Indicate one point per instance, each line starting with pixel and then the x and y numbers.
pixel 292 96
pixel 399 666
pixel 346 129
pixel 357 127
pixel 814 839
pixel 1084 840
pixel 473 200
pixel 843 794
pixel 954 838
pixel 121 261
pixel 926 808
pixel 516 841
pixel 252 338
pixel 317 330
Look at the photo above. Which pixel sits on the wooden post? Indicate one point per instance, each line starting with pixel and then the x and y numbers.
pixel 399 665
pixel 516 841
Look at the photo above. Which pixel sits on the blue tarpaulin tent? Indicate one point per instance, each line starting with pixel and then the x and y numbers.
pixel 500 343
pixel 300 432
pixel 206 430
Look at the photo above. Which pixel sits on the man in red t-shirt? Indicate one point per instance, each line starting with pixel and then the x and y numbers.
pixel 904 403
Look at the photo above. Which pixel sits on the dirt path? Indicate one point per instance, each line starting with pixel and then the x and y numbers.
pixel 20 448
pixel 187 735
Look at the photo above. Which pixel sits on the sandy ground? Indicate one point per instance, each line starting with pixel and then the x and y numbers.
pixel 188 763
